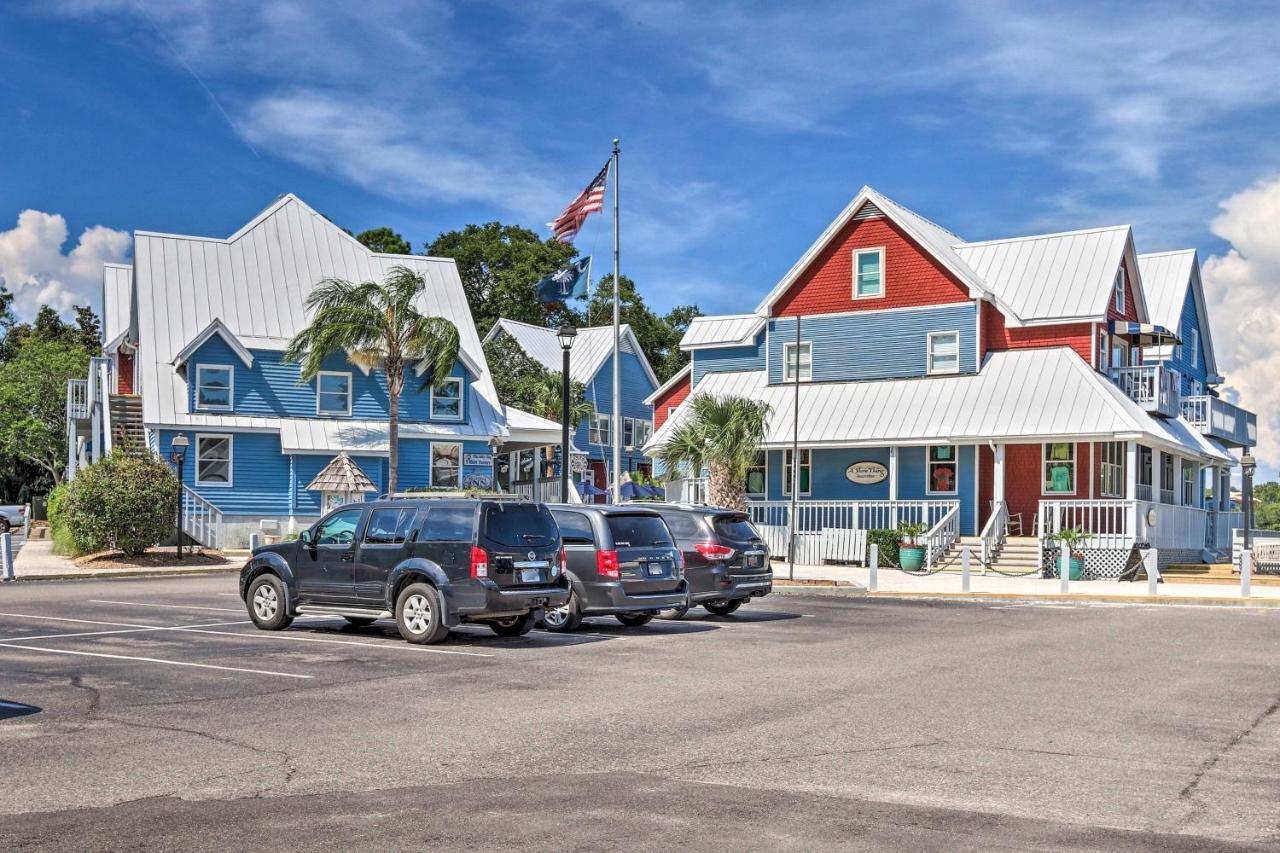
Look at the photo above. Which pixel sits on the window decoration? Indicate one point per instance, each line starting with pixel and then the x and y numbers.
pixel 1059 468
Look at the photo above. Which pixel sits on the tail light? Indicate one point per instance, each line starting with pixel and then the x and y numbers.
pixel 607 564
pixel 22 510
pixel 712 551
pixel 479 563
pixel 564 562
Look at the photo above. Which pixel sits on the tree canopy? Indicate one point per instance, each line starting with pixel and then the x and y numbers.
pixel 384 240
pixel 526 384
pixel 659 334
pixel 33 398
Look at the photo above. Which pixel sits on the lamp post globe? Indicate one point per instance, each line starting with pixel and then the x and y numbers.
pixel 565 335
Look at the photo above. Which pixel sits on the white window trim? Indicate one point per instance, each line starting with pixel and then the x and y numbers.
pixel 462 402
pixel 1075 469
pixel 928 480
pixel 786 481
pixel 601 434
pixel 350 392
pixel 786 361
pixel 928 353
pixel 1104 464
pixel 231 459
pixel 765 493
pixel 431 462
pixel 1195 347
pixel 671 410
pixel 856 254
pixel 231 388
pixel 1118 290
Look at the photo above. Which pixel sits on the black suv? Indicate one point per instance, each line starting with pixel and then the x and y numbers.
pixel 725 560
pixel 620 560
pixel 428 563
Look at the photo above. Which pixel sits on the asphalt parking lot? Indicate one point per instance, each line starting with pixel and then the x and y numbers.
pixel 149 714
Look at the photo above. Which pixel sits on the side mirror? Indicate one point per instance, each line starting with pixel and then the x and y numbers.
pixel 305 537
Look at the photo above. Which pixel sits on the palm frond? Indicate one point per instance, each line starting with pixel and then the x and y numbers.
pixel 433 342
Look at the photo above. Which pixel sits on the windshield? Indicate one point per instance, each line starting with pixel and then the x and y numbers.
pixel 519 525
pixel 639 531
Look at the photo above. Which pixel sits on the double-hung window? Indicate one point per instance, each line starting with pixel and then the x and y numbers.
pixel 1111 469
pixel 944 352
pixel 598 430
pixel 943 475
pixel 756 482
pixel 213 460
pixel 787 475
pixel 333 393
pixel 1189 479
pixel 640 431
pixel 1059 469
pixel 628 432
pixel 1118 290
pixel 446 399
pixel 214 386
pixel 446 464
pixel 805 361
pixel 1195 347
pixel 868 273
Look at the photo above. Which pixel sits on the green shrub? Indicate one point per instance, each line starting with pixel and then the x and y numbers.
pixel 888 542
pixel 125 502
pixel 63 542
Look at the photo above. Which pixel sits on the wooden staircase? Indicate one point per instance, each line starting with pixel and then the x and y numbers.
pixel 126 422
pixel 1223 574
pixel 1020 555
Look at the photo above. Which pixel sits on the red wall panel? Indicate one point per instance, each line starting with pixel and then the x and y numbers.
pixel 997 336
pixel 673 396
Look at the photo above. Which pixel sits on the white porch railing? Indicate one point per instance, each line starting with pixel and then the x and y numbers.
pixel 836 530
pixel 201 520
pixel 1118 524
pixel 1153 386
pixel 77 399
pixel 1180 528
pixel 1110 523
pixel 994 532
pixel 692 490
pixel 942 535
pixel 544 491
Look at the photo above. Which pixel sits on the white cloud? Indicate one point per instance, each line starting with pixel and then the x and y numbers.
pixel 1242 288
pixel 36 271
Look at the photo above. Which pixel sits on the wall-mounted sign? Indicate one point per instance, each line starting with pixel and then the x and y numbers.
pixel 866 473
pixel 477 460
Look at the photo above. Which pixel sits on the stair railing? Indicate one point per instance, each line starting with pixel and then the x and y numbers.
pixel 942 535
pixel 201 520
pixel 994 533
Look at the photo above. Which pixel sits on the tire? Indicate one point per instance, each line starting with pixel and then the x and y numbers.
pixel 677 613
pixel 266 602
pixel 5 527
pixel 359 621
pixel 420 614
pixel 563 619
pixel 513 626
pixel 634 620
pixel 723 608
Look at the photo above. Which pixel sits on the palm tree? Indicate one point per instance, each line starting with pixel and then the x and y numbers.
pixel 722 434
pixel 549 400
pixel 378 326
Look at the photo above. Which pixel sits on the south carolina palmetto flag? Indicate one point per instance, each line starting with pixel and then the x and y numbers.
pixel 591 200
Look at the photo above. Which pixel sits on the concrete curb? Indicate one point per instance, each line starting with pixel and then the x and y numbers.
pixel 827 590
pixel 1059 598
pixel 130 573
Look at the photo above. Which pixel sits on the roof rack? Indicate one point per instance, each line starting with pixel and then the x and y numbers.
pixel 460 495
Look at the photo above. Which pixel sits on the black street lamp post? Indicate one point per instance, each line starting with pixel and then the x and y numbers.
pixel 1247 466
pixel 178 453
pixel 565 334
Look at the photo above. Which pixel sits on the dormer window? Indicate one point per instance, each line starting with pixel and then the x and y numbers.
pixel 1118 289
pixel 214 387
pixel 446 399
pixel 333 393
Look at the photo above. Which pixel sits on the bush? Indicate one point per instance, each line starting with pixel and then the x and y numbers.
pixel 125 502
pixel 888 542
pixel 63 542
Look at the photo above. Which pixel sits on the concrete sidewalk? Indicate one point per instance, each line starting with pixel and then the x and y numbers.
pixel 894 582
pixel 36 561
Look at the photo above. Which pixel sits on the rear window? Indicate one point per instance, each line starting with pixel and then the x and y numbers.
pixel 575 528
pixel 684 525
pixel 737 527
pixel 448 524
pixel 639 531
pixel 519 524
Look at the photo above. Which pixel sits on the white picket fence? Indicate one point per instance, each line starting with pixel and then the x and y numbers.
pixel 836 531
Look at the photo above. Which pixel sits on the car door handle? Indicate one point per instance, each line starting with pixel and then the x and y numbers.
pixel 348 557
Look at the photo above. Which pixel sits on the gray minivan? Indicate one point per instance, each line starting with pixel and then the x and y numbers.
pixel 620 561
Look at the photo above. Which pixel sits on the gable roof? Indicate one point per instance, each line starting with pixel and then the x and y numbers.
pixel 676 378
pixel 117 304
pixel 724 330
pixel 255 283
pixel 1167 278
pixel 1054 278
pixel 591 348
pixel 218 328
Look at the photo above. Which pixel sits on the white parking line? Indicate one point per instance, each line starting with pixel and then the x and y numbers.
pixel 296 638
pixel 166 606
pixel 39 618
pixel 138 630
pixel 154 660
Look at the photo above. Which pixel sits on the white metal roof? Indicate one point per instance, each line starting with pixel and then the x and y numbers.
pixel 591 348
pixel 1054 277
pixel 529 430
pixel 725 330
pixel 1027 395
pixel 256 283
pixel 1166 279
pixel 117 303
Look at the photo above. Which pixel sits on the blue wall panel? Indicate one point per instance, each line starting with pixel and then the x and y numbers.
pixel 636 386
pixel 874 344
pixel 259 473
pixel 1183 356
pixel 728 359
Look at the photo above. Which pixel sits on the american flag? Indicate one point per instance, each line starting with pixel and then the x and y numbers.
pixel 590 200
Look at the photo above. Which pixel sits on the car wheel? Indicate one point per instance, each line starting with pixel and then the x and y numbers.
pixel 675 613
pixel 359 621
pixel 513 626
pixel 4 525
pixel 420 614
pixel 635 620
pixel 266 598
pixel 566 617
pixel 723 608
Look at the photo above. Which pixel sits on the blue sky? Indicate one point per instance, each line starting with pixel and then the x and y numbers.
pixel 745 128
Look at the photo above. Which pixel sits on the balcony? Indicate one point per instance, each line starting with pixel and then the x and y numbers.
pixel 1154 387
pixel 78 399
pixel 1215 417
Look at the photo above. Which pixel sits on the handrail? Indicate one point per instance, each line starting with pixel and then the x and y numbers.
pixel 941 536
pixel 78 399
pixel 994 531
pixel 201 520
pixel 104 401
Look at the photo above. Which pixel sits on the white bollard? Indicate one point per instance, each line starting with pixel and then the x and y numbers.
pixel 873 581
pixel 1152 563
pixel 964 569
pixel 1246 571
pixel 255 539
pixel 26 527
pixel 6 556
pixel 1064 569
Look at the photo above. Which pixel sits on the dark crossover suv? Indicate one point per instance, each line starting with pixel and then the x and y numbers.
pixel 620 560
pixel 428 563
pixel 725 561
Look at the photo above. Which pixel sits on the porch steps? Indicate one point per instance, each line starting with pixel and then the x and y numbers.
pixel 126 421
pixel 1021 554
pixel 1223 574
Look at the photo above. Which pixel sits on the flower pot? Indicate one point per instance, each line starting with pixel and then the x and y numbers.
pixel 1076 572
pixel 911 557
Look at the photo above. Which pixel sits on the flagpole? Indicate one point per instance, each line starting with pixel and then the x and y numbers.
pixel 617 344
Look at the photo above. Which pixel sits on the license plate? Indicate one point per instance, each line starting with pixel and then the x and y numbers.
pixel 530 575
pixel 657 568
pixel 531 564
pixel 755 561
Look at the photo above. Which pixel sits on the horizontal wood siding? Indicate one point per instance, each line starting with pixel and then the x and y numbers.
pixel 997 336
pixel 636 387
pixel 912 480
pixel 672 397
pixel 1180 358
pixel 879 345
pixel 259 473
pixel 727 359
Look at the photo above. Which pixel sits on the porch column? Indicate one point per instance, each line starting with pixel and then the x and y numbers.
pixel 1177 479
pixel 1157 471
pixel 893 486
pixel 997 475
pixel 1131 488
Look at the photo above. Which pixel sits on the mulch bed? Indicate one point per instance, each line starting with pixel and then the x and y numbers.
pixel 153 558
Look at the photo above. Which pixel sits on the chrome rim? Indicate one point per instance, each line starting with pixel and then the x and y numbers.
pixel 265 602
pixel 557 617
pixel 417 613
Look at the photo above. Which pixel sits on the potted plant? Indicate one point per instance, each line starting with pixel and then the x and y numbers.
pixel 910 551
pixel 1070 539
